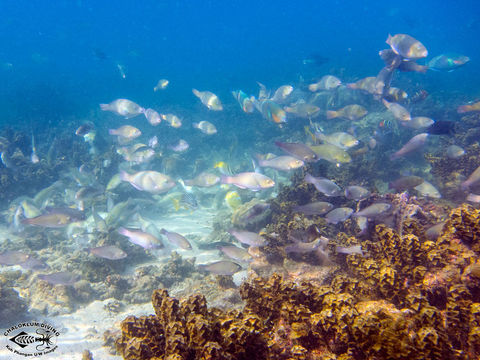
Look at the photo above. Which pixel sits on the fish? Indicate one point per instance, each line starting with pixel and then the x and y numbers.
pixel 236 253
pixel 248 180
pixel 298 150
pixel 412 66
pixel 176 239
pixel 394 94
pixel 153 142
pixel 428 190
pixel 123 107
pixel 418 122
pixel 433 232
pixel 113 182
pixel 263 93
pixel 60 278
pixel 223 167
pixel 327 82
pixel 55 218
pixel 245 102
pixel 331 153
pixel 127 132
pixel 149 181
pixel 391 59
pixel 323 185
pixel 29 209
pixel 248 237
pixel 340 139
pixel 442 127
pixel 415 143
pixel 405 183
pixel 121 70
pixel 354 192
pixel 350 112
pixel 447 62
pixel 233 199
pixel 141 238
pixel 88 192
pixel 161 85
pixel 13 257
pixel 472 179
pixel 152 116
pixel 469 108
pixel 34 264
pixel 180 146
pixel 209 99
pixel 338 215
pixel 407 46
pixel 383 81
pixel 110 252
pixel 271 111
pixel 204 179
pixel 222 267
pixel 366 84
pixel 281 163
pixel 282 93
pixel 314 208
pixel 373 211
pixel 205 127
pixel 305 247
pixel 349 250
pixel 397 110
pixel 474 198
pixel 454 152
pixel 85 128
pixel 34 157
pixel 173 120
pixel 303 110
pixel 315 60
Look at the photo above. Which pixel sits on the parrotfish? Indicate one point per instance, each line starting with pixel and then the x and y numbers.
pixel 249 180
pixel 407 46
pixel 222 267
pixel 177 239
pixel 123 107
pixel 325 186
pixel 209 99
pixel 149 181
pixel 415 143
pixel 248 237
pixel 138 237
pixel 298 150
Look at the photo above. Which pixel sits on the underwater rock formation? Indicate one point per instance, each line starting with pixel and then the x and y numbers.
pixel 404 299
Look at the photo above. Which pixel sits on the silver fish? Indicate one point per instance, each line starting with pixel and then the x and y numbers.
pixel 354 192
pixel 110 252
pixel 222 267
pixel 137 237
pixel 60 278
pixel 176 239
pixel 248 180
pixel 415 143
pixel 314 208
pixel 338 215
pixel 325 186
pixel 373 210
pixel 302 247
pixel 236 253
pixel 298 150
pixel 248 237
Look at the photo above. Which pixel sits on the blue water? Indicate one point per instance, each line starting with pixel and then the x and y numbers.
pixel 215 45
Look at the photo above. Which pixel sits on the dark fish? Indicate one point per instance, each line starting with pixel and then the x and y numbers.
pixel 13 257
pixel 441 127
pixel 256 210
pixel 390 58
pixel 99 54
pixel 110 252
pixel 409 66
pixel 314 208
pixel 88 192
pixel 315 60
pixel 298 150
pixel 405 183
pixel 85 129
pixel 60 278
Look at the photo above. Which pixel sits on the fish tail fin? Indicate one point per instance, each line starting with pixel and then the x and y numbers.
pixel 389 39
pixel 463 109
pixel 331 114
pixel 105 107
pixel 196 92
pixel 195 125
pixel 163 231
pixel 313 87
pixel 122 231
pixel 352 86
pixel 112 131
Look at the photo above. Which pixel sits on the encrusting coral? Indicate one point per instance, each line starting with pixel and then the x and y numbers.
pixel 404 299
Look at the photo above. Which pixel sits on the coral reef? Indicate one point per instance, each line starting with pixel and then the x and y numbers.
pixel 406 298
pixel 9 299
